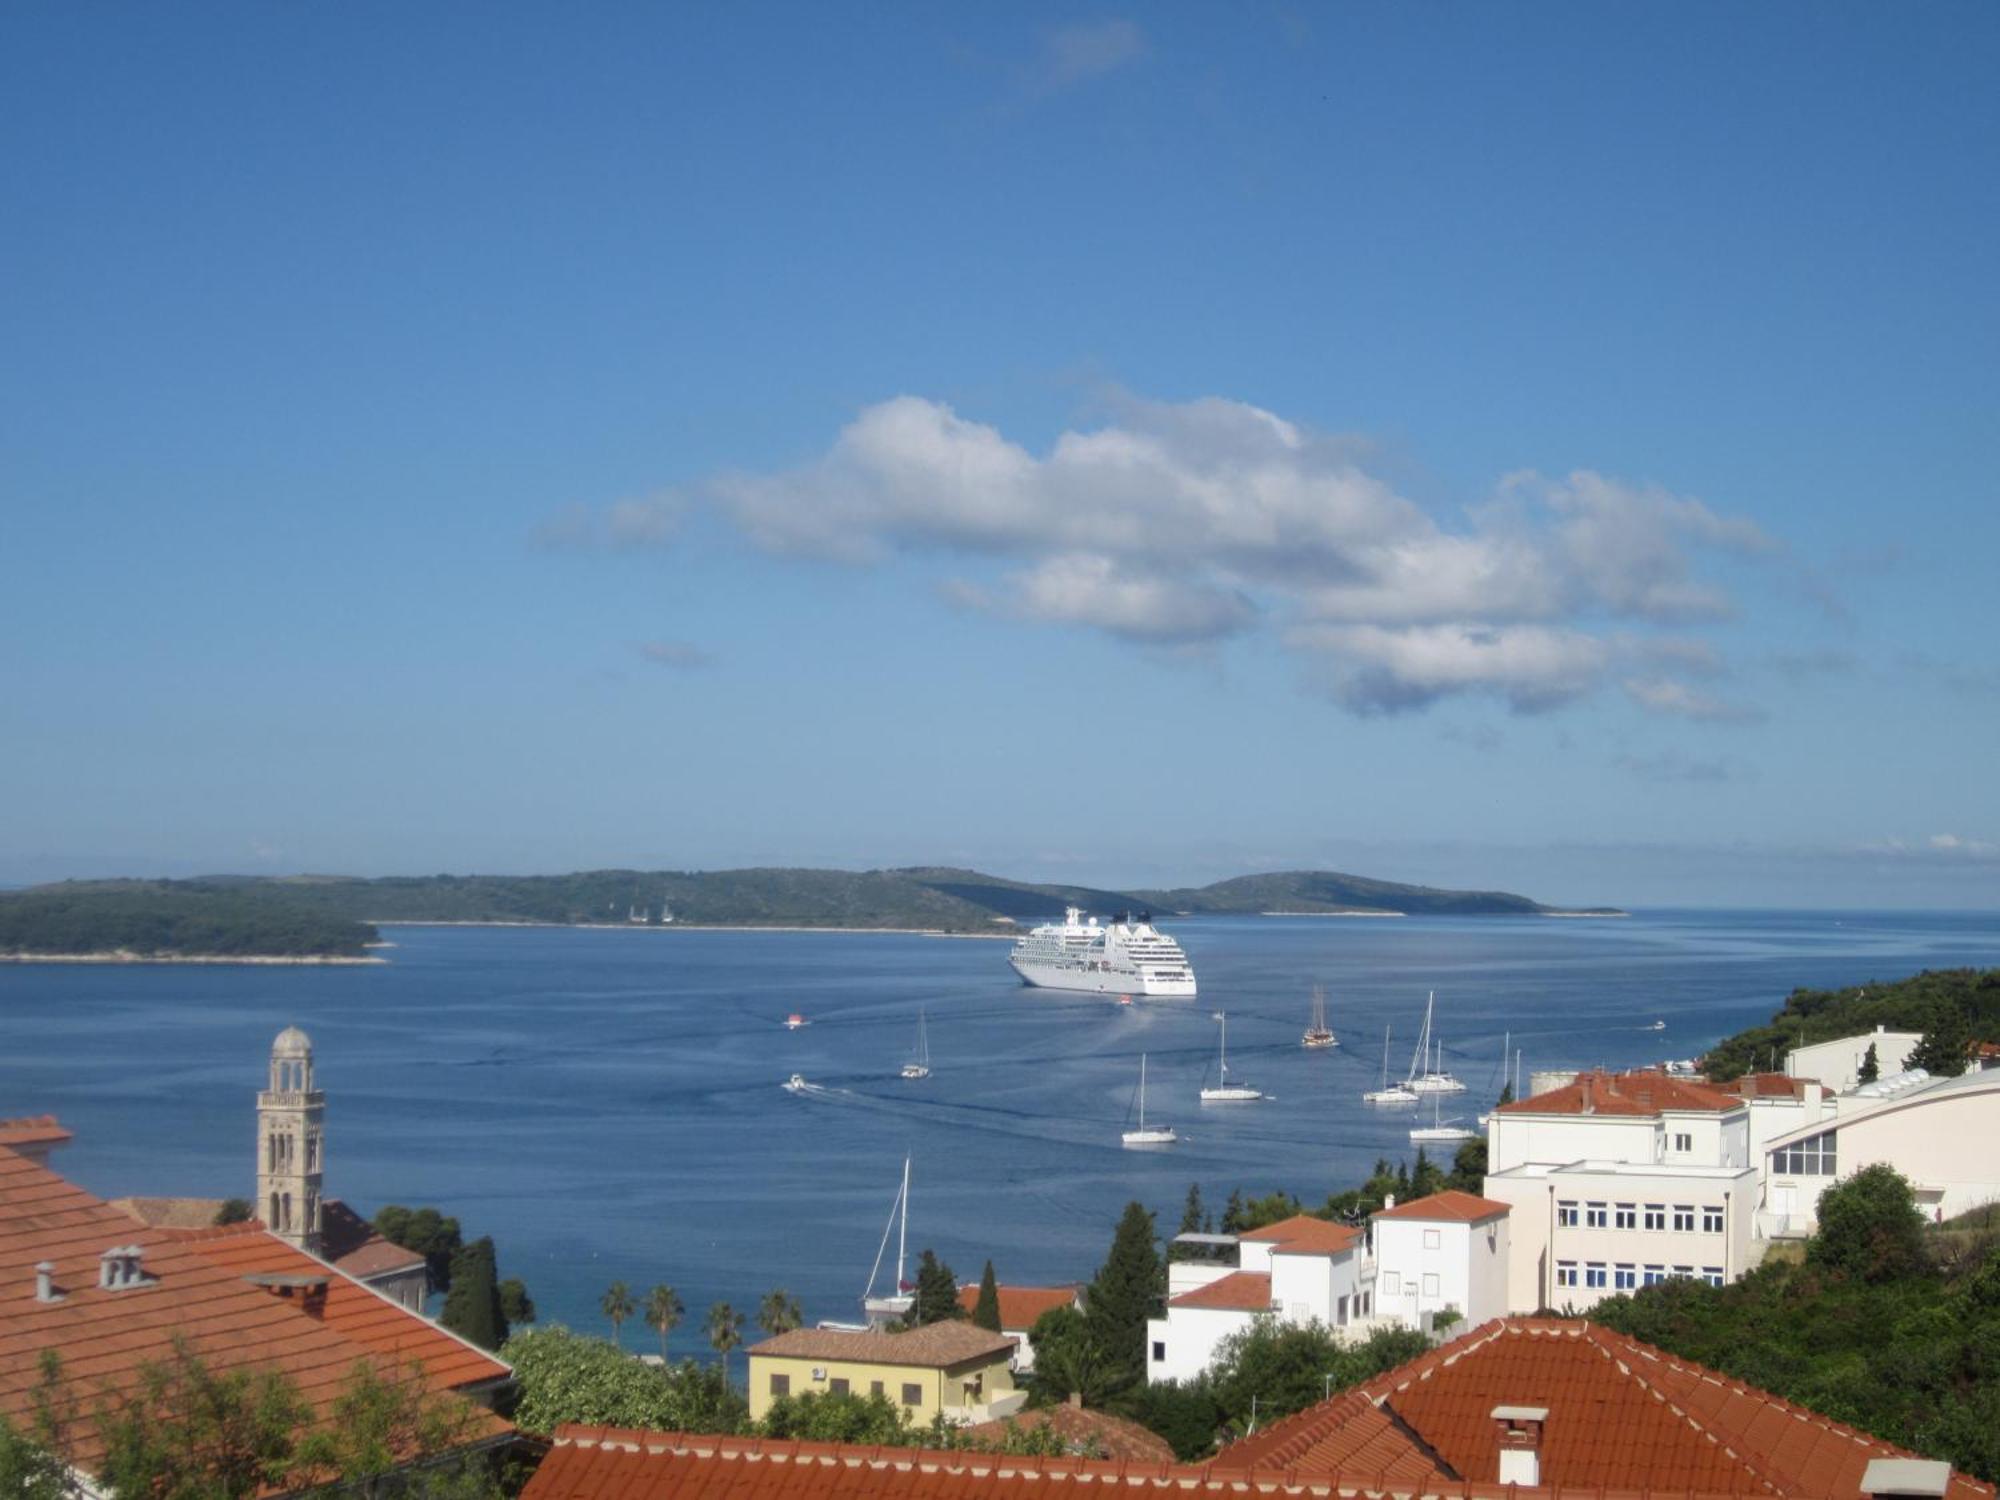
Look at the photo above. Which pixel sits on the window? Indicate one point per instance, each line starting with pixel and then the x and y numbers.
pixel 1159 1351
pixel 1392 1283
pixel 1655 1275
pixel 838 1385
pixel 1683 1142
pixel 913 1394
pixel 1712 1275
pixel 1430 1284
pixel 1656 1216
pixel 1594 1216
pixel 1430 1239
pixel 1593 1274
pixel 781 1385
pixel 1626 1216
pixel 1624 1278
pixel 1566 1215
pixel 1684 1270
pixel 874 1387
pixel 1811 1157
pixel 1684 1218
pixel 1565 1273
pixel 1711 1220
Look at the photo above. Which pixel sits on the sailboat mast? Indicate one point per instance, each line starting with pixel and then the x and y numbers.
pixel 1142 1091
pixel 903 1228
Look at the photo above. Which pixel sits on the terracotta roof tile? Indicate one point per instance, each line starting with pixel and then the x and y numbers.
pixel 33 1130
pixel 1348 1434
pixel 1115 1437
pixel 170 1213
pixel 1244 1291
pixel 1451 1206
pixel 935 1346
pixel 1302 1234
pixel 1640 1093
pixel 351 1243
pixel 1021 1305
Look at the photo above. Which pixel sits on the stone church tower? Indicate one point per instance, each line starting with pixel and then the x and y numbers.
pixel 291 1143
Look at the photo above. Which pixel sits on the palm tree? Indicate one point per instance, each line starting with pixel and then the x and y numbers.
pixel 778 1312
pixel 617 1305
pixel 725 1332
pixel 663 1314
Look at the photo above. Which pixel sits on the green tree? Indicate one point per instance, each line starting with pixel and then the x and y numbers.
pixel 1128 1289
pixel 826 1417
pixel 1069 1361
pixel 1425 1178
pixel 1232 1213
pixel 725 1332
pixel 29 1471
pixel 664 1311
pixel 617 1305
pixel 1182 1412
pixel 1506 1094
pixel 516 1306
pixel 1468 1167
pixel 1269 1209
pixel 1871 1066
pixel 564 1377
pixel 779 1312
pixel 472 1306
pixel 986 1311
pixel 189 1432
pixel 379 1423
pixel 1943 1049
pixel 1869 1227
pixel 233 1211
pixel 1275 1368
pixel 937 1292
pixel 426 1231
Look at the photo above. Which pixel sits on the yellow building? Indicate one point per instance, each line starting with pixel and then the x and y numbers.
pixel 954 1368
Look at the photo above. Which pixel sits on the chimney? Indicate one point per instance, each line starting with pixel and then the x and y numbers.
pixel 1521 1443
pixel 1895 1478
pixel 122 1266
pixel 1388 1202
pixel 45 1282
pixel 1076 1400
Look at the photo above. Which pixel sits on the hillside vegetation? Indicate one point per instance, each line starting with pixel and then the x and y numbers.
pixel 159 918
pixel 1327 891
pixel 1913 1004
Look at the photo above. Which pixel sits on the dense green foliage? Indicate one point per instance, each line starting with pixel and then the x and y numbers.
pixel 313 914
pixel 1130 1288
pixel 1941 1051
pixel 565 1377
pixel 986 1310
pixel 152 918
pixel 937 1293
pixel 472 1307
pixel 1915 1004
pixel 664 1311
pixel 431 1234
pixel 779 1312
pixel 1070 1361
pixel 233 1211
pixel 516 1306
pixel 1860 1331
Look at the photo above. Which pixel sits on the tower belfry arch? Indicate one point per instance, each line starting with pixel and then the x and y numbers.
pixel 291 1144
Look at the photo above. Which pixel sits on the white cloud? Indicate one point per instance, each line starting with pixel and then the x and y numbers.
pixel 1087 49
pixel 1183 523
pixel 681 655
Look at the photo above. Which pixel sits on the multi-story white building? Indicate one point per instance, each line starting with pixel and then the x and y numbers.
pixel 1837 1063
pixel 1299 1270
pixel 1447 1252
pixel 1619 1181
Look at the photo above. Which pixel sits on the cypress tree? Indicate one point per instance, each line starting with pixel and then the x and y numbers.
pixel 1126 1292
pixel 986 1311
pixel 1871 1066
pixel 472 1307
pixel 1942 1051
pixel 937 1292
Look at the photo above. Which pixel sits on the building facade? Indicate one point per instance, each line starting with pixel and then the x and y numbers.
pixel 949 1369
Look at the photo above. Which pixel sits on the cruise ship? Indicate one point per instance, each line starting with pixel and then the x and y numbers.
pixel 1125 956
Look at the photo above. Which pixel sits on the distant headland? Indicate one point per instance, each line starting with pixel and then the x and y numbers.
pixel 324 918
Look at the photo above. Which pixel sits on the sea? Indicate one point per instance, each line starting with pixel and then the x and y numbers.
pixel 607 1104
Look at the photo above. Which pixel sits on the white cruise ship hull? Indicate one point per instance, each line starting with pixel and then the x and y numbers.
pixel 1049 976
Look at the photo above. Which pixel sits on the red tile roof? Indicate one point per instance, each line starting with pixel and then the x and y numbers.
pixel 935 1346
pixel 105 1337
pixel 1764 1086
pixel 351 1243
pixel 1451 1206
pixel 33 1130
pixel 1639 1093
pixel 1082 1430
pixel 1021 1305
pixel 1347 1435
pixel 1302 1234
pixel 355 1310
pixel 170 1213
pixel 1247 1291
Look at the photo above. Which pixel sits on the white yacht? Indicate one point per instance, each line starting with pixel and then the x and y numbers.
pixel 1433 1079
pixel 796 1084
pixel 1441 1130
pixel 1389 1093
pixel 1126 956
pixel 1158 1135
pixel 1224 1091
pixel 882 1311
pixel 920 1065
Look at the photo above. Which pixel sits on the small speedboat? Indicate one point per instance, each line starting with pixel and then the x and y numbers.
pixel 1124 999
pixel 794 1021
pixel 796 1084
pixel 1657 1026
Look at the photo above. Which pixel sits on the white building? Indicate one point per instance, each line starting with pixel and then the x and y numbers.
pixel 1837 1063
pixel 1299 1270
pixel 1619 1181
pixel 1943 1134
pixel 1447 1251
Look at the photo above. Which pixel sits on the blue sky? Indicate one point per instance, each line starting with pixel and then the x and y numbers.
pixel 1546 447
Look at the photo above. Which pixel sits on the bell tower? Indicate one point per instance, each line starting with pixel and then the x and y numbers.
pixel 291 1144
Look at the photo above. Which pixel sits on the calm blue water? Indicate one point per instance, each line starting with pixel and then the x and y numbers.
pixel 606 1104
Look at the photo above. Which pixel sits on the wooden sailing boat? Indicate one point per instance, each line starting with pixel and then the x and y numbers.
pixel 1319 1034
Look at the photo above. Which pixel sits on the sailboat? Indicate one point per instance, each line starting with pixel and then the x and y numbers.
pixel 1388 1093
pixel 896 1306
pixel 1319 1034
pixel 920 1065
pixel 1507 1061
pixel 1434 1079
pixel 1224 1091
pixel 1441 1130
pixel 1159 1135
